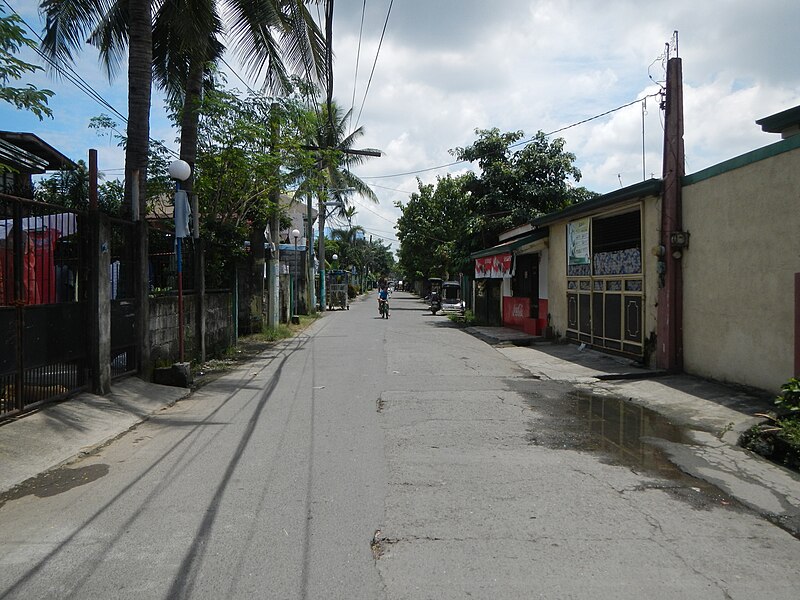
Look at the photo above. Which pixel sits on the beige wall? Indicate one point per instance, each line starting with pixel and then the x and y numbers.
pixel 651 239
pixel 739 272
pixel 557 278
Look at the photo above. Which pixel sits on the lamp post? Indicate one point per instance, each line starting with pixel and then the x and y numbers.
pixel 180 170
pixel 295 317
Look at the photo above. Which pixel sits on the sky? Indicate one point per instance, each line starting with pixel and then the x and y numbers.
pixel 421 81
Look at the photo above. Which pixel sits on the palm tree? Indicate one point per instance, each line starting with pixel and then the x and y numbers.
pixel 68 23
pixel 336 157
pixel 331 176
pixel 350 244
pixel 272 37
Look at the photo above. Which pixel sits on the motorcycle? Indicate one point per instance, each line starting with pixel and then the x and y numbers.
pixel 436 302
pixel 383 308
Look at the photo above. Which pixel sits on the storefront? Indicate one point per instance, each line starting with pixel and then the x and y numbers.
pixel 605 281
pixel 603 275
pixel 511 282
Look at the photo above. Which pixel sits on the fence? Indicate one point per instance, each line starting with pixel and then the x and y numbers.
pixel 43 303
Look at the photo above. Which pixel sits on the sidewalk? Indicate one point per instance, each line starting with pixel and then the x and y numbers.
pixel 714 416
pixel 59 433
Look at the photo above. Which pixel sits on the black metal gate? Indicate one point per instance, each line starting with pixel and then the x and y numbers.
pixel 43 304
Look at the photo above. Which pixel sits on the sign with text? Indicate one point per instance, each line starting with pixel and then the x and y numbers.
pixel 578 242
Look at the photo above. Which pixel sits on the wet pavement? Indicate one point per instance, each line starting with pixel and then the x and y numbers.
pixel 621 433
pixel 680 427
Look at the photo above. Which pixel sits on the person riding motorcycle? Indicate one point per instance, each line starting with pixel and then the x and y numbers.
pixel 383 296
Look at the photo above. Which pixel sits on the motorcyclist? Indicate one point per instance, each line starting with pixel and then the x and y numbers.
pixel 383 295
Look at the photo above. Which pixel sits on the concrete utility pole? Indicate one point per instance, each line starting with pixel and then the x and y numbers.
pixel 274 259
pixel 669 330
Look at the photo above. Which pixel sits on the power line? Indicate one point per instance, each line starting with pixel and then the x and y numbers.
pixel 380 43
pixel 368 209
pixel 70 74
pixel 358 60
pixel 383 187
pixel 459 162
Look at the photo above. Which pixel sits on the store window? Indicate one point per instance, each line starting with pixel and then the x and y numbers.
pixel 617 245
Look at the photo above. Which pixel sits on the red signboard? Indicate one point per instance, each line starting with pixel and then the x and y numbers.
pixel 495 267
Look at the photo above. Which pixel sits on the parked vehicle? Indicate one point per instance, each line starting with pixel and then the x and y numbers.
pixel 451 300
pixel 336 289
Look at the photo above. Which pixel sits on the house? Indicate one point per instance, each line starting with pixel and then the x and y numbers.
pixel 603 268
pixel 24 155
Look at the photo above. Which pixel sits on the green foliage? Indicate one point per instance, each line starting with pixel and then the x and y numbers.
pixel 433 224
pixel 442 224
pixel 158 180
pixel 516 185
pixel 70 188
pixel 12 40
pixel 778 437
pixel 789 399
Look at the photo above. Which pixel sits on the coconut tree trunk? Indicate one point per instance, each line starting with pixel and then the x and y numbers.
pixel 140 60
pixel 140 77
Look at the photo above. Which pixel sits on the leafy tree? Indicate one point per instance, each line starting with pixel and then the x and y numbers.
pixel 443 224
pixel 381 258
pixel 12 40
pixel 70 188
pixel 434 227
pixel 159 159
pixel 517 185
pixel 239 167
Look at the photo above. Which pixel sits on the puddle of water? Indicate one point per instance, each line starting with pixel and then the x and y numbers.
pixel 619 431
pixel 56 482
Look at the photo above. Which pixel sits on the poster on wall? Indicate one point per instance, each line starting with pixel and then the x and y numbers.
pixel 501 266
pixel 578 242
pixel 494 267
pixel 480 268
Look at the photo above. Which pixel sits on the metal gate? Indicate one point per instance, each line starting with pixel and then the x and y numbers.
pixel 43 304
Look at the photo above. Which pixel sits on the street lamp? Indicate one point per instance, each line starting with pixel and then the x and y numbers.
pixel 295 317
pixel 180 170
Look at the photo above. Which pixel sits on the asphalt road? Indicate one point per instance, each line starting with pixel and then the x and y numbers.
pixel 271 482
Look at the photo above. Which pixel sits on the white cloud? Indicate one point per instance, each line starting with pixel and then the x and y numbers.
pixel 447 67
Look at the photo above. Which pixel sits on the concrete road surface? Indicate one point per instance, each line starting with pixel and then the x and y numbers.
pixel 389 459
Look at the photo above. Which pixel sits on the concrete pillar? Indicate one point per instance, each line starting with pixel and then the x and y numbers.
pixel 99 303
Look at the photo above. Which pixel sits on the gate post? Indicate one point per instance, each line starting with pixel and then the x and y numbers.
pixel 99 303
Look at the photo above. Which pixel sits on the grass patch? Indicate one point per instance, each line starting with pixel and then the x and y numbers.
pixel 247 349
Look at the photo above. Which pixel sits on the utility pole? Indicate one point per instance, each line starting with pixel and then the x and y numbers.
pixel 674 241
pixel 273 262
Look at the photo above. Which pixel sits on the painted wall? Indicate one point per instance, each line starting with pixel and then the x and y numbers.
pixel 739 271
pixel 651 239
pixel 557 278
